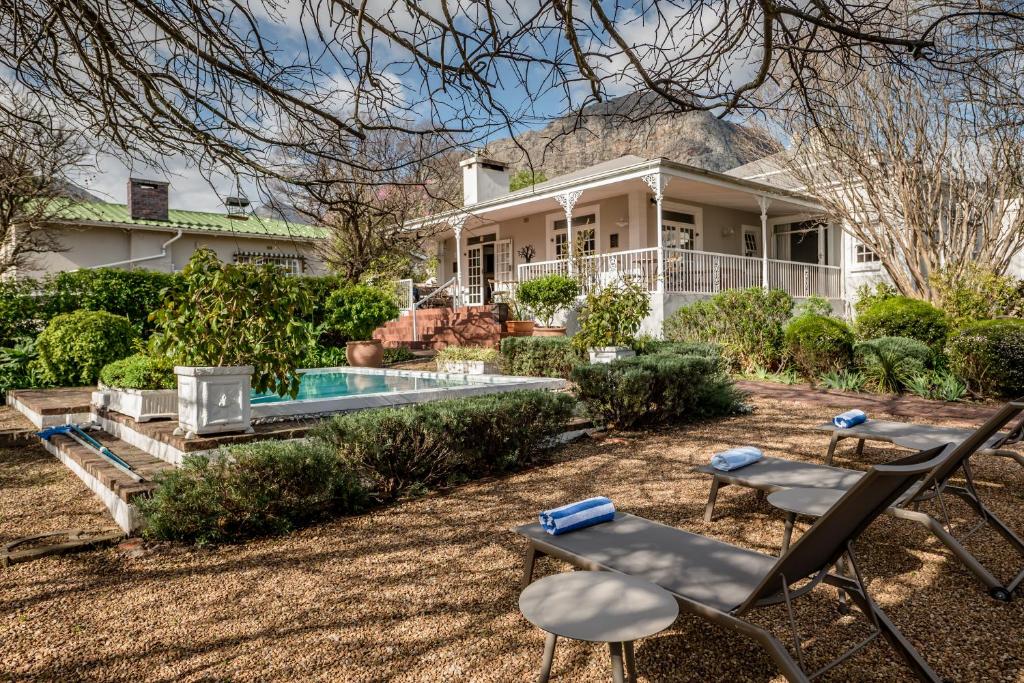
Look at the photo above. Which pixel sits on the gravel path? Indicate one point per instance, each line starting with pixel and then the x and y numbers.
pixel 427 590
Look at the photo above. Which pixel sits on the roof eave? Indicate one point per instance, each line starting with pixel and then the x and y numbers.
pixel 79 222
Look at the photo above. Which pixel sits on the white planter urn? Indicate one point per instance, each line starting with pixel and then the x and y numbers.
pixel 468 367
pixel 213 400
pixel 141 405
pixel 606 354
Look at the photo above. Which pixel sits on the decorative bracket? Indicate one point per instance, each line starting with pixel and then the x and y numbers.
pixel 568 201
pixel 457 223
pixel 657 183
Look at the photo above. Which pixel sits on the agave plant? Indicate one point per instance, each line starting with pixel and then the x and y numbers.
pixel 843 380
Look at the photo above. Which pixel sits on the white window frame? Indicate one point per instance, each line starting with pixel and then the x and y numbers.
pixel 552 218
pixel 698 220
pixel 294 263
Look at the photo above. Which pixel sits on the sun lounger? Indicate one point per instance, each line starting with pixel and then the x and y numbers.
pixel 773 474
pixel 910 435
pixel 724 583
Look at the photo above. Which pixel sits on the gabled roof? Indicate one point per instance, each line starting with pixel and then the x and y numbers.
pixel 624 161
pixel 189 221
pixel 769 170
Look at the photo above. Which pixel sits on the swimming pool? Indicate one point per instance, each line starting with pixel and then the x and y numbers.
pixel 333 390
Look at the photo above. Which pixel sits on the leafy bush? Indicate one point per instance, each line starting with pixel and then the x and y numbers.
pixel 548 295
pixel 399 354
pixel 867 295
pixel 763 374
pixel 972 292
pixel 888 362
pixel 612 315
pixel 682 349
pixel 406 450
pixel 141 371
pixel 133 294
pixel 355 311
pixel 814 305
pixel 901 316
pixel 257 489
pixel 539 356
pixel 658 388
pixel 989 356
pixel 843 380
pixel 20 311
pixel 467 353
pixel 318 356
pixel 747 323
pixel 818 344
pixel 20 367
pixel 74 347
pixel 943 386
pixel 224 315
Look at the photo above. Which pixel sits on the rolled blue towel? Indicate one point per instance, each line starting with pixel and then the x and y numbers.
pixel 849 419
pixel 735 458
pixel 577 515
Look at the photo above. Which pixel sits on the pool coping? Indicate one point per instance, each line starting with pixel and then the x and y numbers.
pixel 479 384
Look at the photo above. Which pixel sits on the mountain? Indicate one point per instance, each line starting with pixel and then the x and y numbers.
pixel 632 125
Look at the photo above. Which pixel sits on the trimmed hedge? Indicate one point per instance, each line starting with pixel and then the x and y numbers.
pixel 141 371
pixel 705 349
pixel 74 347
pixel 658 388
pixel 818 344
pixel 133 294
pixel 901 316
pixel 407 450
pixel 239 492
pixel 539 356
pixel 989 356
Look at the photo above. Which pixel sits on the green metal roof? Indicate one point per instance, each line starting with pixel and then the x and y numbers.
pixel 193 221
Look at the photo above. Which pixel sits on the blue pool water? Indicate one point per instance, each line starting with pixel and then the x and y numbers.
pixel 334 384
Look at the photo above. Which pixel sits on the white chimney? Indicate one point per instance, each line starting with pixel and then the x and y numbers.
pixel 483 179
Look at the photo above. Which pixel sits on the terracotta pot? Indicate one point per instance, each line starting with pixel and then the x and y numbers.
pixel 519 328
pixel 365 354
pixel 548 331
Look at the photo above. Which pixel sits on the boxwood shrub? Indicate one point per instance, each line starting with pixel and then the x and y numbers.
pixel 140 371
pixel 250 490
pixel 406 450
pixel 74 347
pixel 539 356
pixel 818 344
pixel 657 388
pixel 989 356
pixel 900 316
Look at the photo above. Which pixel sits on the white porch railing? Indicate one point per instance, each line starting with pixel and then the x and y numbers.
pixel 695 272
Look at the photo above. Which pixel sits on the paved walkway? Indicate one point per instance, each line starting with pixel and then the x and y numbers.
pixel 911 408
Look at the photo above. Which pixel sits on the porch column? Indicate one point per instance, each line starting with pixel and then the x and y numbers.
pixel 657 183
pixel 457 224
pixel 764 203
pixel 568 201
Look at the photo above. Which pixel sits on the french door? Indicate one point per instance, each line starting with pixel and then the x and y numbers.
pixel 503 270
pixel 475 275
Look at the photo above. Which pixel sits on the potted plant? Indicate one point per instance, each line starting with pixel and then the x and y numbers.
pixel 142 386
pixel 609 319
pixel 548 296
pixel 519 324
pixel 468 360
pixel 355 311
pixel 231 330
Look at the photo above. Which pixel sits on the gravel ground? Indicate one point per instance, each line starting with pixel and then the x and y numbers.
pixel 11 419
pixel 426 590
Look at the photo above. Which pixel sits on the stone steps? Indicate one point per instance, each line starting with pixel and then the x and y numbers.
pixel 441 327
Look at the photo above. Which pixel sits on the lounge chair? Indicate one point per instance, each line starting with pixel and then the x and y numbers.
pixel 914 436
pixel 723 583
pixel 772 474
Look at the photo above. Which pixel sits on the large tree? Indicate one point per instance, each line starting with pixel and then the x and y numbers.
pixel 37 154
pixel 229 83
pixel 927 176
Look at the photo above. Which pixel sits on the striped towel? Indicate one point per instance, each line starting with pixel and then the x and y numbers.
pixel 577 515
pixel 735 458
pixel 849 419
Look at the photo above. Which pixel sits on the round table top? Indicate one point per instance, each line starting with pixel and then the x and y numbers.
pixel 600 607
pixel 805 501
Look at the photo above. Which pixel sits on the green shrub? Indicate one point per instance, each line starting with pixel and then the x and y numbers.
pixel 612 315
pixel 467 353
pixel 407 450
pixel 225 315
pixel 318 356
pixel 74 347
pixel 547 296
pixel 843 380
pixel 818 344
pixel 814 305
pixel 141 371
pixel 868 295
pixel 888 362
pixel 355 311
pixel 901 316
pixel 539 356
pixel 257 489
pixel 399 354
pixel 942 386
pixel 747 323
pixel 763 374
pixel 989 356
pixel 20 311
pixel 20 367
pixel 133 294
pixel 657 388
pixel 972 292
pixel 682 349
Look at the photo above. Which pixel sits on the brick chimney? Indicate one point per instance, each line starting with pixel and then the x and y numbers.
pixel 147 199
